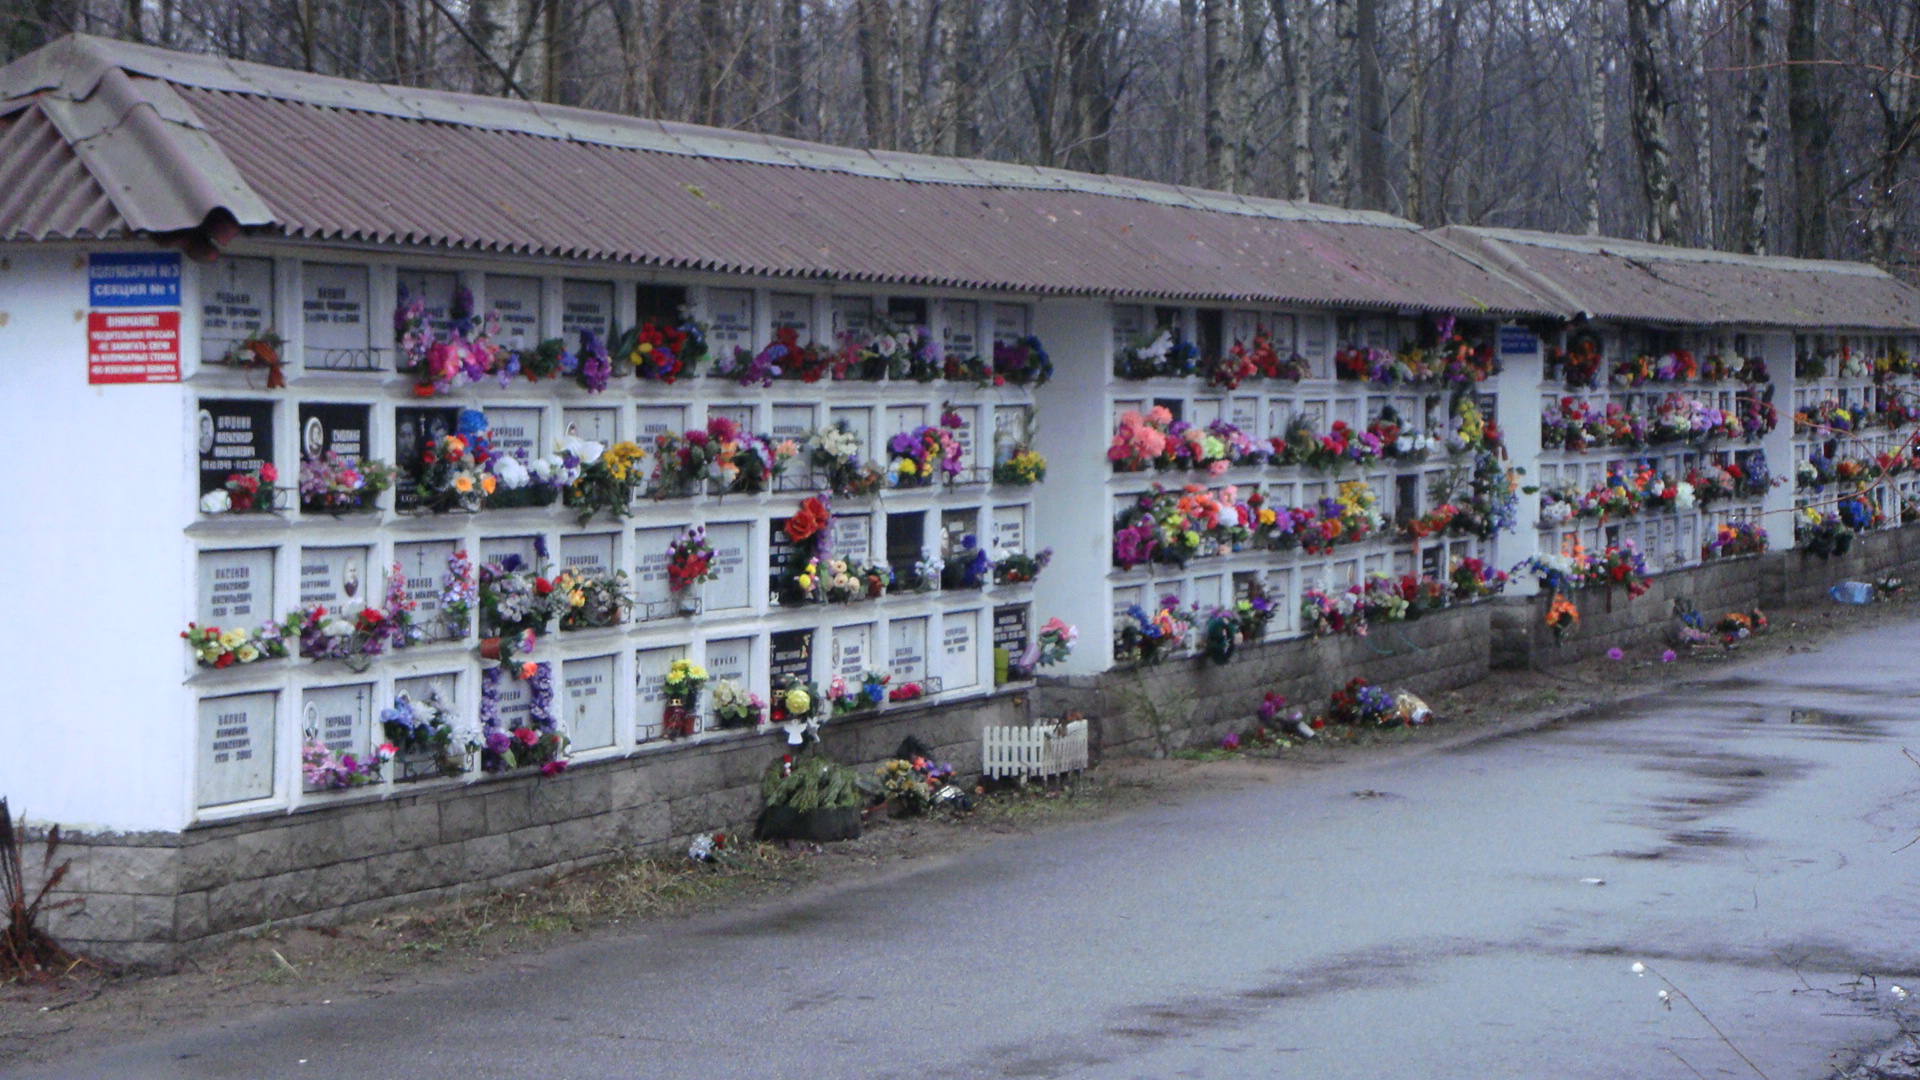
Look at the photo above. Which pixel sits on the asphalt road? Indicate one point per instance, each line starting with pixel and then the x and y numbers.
pixel 1747 835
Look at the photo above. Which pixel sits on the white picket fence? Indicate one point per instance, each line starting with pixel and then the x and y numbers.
pixel 1039 751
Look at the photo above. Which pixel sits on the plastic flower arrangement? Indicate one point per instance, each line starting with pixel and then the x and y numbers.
pixel 1221 637
pixel 323 770
pixel 1139 441
pixel 332 484
pixel 608 476
pixel 835 450
pixel 1021 468
pixel 453 473
pixel 1735 538
pixel 784 357
pixel 966 567
pixel 923 455
pixel 1148 639
pixel 1324 615
pixel 689 560
pixel 591 601
pixel 538 742
pixel 1361 703
pixel 1578 365
pixel 263 350
pixel 806 532
pixel 906 691
pixel 734 706
pixel 1473 579
pixel 911 354
pixel 1055 642
pixel 684 681
pixel 424 729
pixel 244 493
pixel 1562 617
pixel 1158 354
pixel 796 701
pixel 1021 362
pixel 515 599
pixel 352 639
pixel 1017 568
pixel 214 647
pixel 519 482
pixel 661 350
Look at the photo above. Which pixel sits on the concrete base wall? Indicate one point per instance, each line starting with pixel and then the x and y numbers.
pixel 146 896
pixel 1193 702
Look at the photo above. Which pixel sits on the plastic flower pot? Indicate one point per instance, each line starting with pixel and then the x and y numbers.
pixel 490 648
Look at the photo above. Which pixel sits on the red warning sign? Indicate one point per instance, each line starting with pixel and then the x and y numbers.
pixel 133 346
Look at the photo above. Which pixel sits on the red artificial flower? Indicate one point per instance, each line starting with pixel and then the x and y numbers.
pixel 226 660
pixel 553 768
pixel 269 474
pixel 809 519
pixel 542 586
pixel 527 736
pixel 422 389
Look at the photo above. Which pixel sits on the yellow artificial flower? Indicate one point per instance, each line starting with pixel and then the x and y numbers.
pixel 697 672
pixel 798 702
pixel 247 653
pixel 463 483
pixel 488 483
pixel 233 639
pixel 578 598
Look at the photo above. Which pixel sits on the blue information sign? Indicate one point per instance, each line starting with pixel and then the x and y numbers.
pixel 1517 341
pixel 133 279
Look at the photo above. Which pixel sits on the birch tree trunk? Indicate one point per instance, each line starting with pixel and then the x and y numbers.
pixel 1370 106
pixel 1415 202
pixel 1703 127
pixel 1296 24
pixel 1650 120
pixel 1340 105
pixel 1807 120
pixel 1753 159
pixel 1250 93
pixel 1595 93
pixel 1218 168
pixel 1900 126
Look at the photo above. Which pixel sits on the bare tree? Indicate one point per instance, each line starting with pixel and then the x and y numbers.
pixel 1340 103
pixel 1651 108
pixel 1595 94
pixel 1370 106
pixel 1812 135
pixel 1295 17
pixel 1753 159
pixel 1219 170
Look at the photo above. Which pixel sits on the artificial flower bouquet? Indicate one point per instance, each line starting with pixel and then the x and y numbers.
pixel 608 476
pixel 835 450
pixel 1019 568
pixel 685 679
pixel 422 731
pixel 324 770
pixel 734 706
pixel 215 647
pixel 591 601
pixel 331 484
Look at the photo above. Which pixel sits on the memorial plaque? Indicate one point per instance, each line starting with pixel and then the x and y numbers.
pixel 650 668
pixel 731 658
pixel 236 302
pixel 336 577
pixel 496 548
pixel 342 429
pixel 589 702
pixel 906 541
pixel 515 699
pixel 859 422
pixel 657 420
pixel 516 300
pixel 729 590
pixel 793 310
pixel 516 432
pixel 1314 336
pixel 434 289
pixel 1207 591
pixel 730 318
pixel 1244 413
pixel 334 303
pixel 1373 334
pixel 740 415
pixel 904 418
pixel 235 437
pixel 1129 323
pixel 651 584
pixel 1205 411
pixel 589 555
pixel 1285 331
pixel 414 430
pixel 790 655
pixel 852 537
pixel 1347 410
pixel 955 527
pixel 1010 623
pixel 852 313
pixel 586 305
pixel 959 651
pixel 1127 597
pixel 1240 326
pixel 1123 406
pixel 443 687
pixel 236 751
pixel 792 422
pixel 592 425
pixel 1010 529
pixel 852 652
pixel 1243 583
pixel 907 650
pixel 779 553
pixel 960 327
pixel 423 566
pixel 236 587
pixel 340 717
pixel 1010 323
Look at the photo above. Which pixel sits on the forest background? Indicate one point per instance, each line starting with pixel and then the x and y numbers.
pixel 1765 126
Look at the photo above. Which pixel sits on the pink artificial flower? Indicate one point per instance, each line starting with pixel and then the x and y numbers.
pixel 1669 656
pixel 1615 654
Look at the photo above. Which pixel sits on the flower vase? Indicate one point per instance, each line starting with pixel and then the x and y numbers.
pixel 677 721
pixel 490 648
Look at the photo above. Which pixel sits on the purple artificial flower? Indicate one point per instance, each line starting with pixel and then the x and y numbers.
pixel 1615 654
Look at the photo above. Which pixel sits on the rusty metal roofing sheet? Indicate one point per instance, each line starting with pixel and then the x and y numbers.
pixel 1627 280
pixel 46 191
pixel 491 190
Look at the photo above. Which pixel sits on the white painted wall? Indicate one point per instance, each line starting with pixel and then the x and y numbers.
pixel 1776 506
pixel 1072 514
pixel 97 729
pixel 1518 412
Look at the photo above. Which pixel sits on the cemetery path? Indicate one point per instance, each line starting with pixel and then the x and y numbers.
pixel 1470 912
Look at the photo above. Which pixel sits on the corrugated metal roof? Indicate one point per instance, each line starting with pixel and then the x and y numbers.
pixel 173 138
pixel 1629 280
pixel 46 192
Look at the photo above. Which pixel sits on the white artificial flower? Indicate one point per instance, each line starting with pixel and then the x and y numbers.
pixel 216 501
pixel 510 472
pixel 1159 348
pixel 1683 495
pixel 1638 968
pixel 590 452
